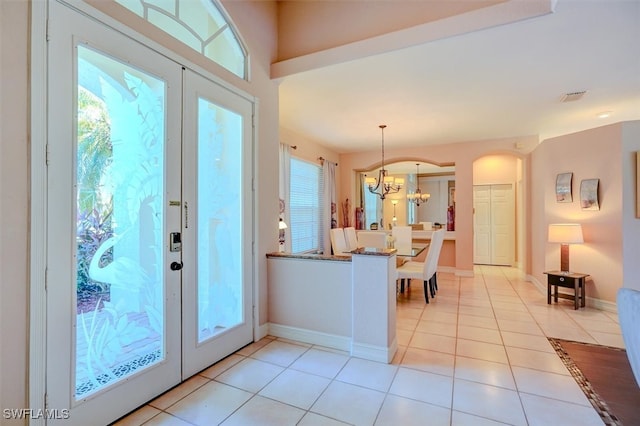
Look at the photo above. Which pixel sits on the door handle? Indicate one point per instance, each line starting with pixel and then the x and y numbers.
pixel 176 266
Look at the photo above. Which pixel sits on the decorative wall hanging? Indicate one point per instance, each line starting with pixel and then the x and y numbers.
pixel 589 194
pixel 563 188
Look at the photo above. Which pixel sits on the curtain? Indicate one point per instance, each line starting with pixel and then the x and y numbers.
pixel 329 210
pixel 283 191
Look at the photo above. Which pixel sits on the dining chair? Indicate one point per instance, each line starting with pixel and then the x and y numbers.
pixel 373 239
pixel 351 237
pixel 403 240
pixel 338 243
pixel 426 271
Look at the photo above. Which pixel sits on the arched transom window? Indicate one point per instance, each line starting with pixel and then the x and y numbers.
pixel 200 24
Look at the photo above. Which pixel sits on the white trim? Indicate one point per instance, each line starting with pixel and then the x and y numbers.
pixel 309 336
pixel 464 273
pixel 374 353
pixel 118 26
pixel 37 213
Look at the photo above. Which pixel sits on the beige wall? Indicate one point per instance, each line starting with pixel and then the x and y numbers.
pixel 463 155
pixel 14 196
pixel 595 153
pixel 257 23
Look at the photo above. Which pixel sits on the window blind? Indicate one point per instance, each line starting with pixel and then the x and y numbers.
pixel 305 205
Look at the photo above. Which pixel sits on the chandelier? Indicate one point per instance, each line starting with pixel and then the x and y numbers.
pixel 384 184
pixel 418 197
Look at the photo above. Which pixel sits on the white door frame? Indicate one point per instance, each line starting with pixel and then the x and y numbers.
pixel 38 188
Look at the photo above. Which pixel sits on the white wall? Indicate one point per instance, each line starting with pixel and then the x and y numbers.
pixel 14 214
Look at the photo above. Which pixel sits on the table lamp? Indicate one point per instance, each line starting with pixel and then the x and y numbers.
pixel 565 234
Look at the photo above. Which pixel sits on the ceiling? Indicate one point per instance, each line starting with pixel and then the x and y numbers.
pixel 506 80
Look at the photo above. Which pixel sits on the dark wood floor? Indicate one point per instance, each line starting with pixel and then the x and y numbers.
pixel 609 373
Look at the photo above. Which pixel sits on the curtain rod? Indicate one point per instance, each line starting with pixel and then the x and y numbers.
pixel 321 159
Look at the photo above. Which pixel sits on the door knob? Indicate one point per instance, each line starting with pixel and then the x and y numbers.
pixel 176 266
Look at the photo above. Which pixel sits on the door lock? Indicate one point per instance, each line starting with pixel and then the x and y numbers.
pixel 175 242
pixel 176 266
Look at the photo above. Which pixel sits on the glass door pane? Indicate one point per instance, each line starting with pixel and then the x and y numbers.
pixel 113 176
pixel 119 221
pixel 220 274
pixel 217 233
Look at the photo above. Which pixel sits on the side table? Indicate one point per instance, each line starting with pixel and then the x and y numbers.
pixel 574 280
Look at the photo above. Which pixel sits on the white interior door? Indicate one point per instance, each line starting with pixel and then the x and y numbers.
pixel 217 232
pixel 493 221
pixel 482 224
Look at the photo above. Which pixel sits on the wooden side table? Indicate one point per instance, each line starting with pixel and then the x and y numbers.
pixel 574 280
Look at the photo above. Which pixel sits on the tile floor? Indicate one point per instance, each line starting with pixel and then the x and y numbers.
pixel 476 355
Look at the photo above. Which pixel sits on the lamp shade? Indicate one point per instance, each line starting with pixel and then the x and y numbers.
pixel 565 233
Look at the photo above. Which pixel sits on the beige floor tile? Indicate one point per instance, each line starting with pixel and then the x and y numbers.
pixel 250 374
pixel 412 313
pixel 464 419
pixel 406 412
pixel 510 315
pixel 313 419
pixel 542 411
pixel 221 366
pixel 164 419
pixel 249 349
pixel 210 404
pixel 320 362
pixel 171 397
pixel 279 353
pixel 487 401
pixel 138 417
pixel 481 350
pixel 436 327
pixel 296 388
pixel 369 374
pixel 433 342
pixel 536 360
pixel 439 316
pixel 487 372
pixel 480 334
pixel 527 341
pixel 602 326
pixel 403 337
pixel 431 361
pixel 406 323
pixel 423 386
pixel 477 321
pixel 527 327
pixel 349 403
pixel 549 385
pixel 478 311
pixel 562 331
pixel 264 411
pixel 608 339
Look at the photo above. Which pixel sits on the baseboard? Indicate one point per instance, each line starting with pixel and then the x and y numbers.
pixel 464 273
pixel 261 331
pixel 374 353
pixel 591 302
pixel 309 336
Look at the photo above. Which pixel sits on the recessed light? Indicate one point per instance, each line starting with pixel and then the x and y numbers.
pixel 604 114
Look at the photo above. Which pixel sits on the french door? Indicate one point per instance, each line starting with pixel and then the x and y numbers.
pixel 149 221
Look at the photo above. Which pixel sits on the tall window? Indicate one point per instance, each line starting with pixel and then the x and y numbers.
pixel 200 24
pixel 306 207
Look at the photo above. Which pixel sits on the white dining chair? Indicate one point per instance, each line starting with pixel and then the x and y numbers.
pixel 351 237
pixel 373 239
pixel 426 271
pixel 403 240
pixel 338 243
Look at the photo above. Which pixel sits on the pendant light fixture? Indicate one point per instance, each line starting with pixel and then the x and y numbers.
pixel 418 197
pixel 385 184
